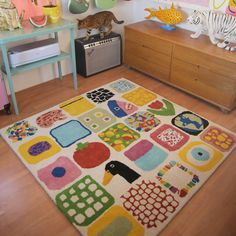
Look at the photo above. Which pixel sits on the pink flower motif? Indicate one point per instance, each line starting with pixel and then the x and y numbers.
pixel 59 173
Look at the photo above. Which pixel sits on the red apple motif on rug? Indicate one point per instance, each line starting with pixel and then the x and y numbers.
pixel 90 155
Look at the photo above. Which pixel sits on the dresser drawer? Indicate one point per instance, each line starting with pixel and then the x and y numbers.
pixel 218 65
pixel 204 83
pixel 142 58
pixel 151 42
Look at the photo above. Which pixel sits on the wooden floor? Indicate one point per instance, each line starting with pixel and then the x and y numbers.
pixel 25 209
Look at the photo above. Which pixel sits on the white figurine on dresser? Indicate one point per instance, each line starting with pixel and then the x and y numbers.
pixel 214 23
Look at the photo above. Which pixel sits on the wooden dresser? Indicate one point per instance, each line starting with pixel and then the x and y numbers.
pixel 193 65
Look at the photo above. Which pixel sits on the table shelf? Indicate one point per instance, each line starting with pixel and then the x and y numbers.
pixel 30 66
pixel 29 31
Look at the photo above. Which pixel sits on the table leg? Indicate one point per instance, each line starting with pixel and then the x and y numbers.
pixel 9 78
pixel 72 45
pixel 59 62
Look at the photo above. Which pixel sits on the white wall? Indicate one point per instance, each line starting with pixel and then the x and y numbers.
pixel 123 11
pixel 129 11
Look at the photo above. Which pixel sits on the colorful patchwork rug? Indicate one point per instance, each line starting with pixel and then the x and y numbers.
pixel 120 159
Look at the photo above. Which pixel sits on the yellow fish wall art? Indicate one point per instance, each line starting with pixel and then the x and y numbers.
pixel 170 16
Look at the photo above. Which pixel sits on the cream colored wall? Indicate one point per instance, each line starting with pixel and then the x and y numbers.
pixel 123 11
pixel 129 11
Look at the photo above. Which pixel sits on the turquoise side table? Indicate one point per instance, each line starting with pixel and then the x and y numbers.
pixel 29 31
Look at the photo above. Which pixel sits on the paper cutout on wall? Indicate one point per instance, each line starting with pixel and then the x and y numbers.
pixel 203 3
pixel 30 8
pixel 231 8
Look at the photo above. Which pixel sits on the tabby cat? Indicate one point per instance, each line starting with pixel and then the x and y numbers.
pixel 215 23
pixel 100 21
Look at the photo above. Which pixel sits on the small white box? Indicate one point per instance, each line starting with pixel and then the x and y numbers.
pixel 32 52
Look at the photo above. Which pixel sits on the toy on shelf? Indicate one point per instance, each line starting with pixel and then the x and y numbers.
pixel 38 21
pixel 9 18
pixel 53 11
pixel 78 7
pixel 31 8
pixel 215 23
pixel 170 17
pixel 101 21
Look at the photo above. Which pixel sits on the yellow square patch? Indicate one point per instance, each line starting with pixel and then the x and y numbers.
pixel 140 96
pixel 200 155
pixel 119 221
pixel 76 106
pixel 38 149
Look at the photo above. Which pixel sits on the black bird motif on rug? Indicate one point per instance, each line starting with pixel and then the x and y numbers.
pixel 115 167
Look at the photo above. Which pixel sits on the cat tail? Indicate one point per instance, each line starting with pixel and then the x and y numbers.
pixel 117 21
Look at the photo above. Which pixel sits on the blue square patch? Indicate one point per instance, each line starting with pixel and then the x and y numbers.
pixel 69 132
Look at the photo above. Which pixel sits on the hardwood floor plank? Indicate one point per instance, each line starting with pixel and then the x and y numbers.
pixel 25 209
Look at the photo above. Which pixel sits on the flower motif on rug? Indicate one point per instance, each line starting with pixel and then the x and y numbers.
pixel 97 119
pixel 162 108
